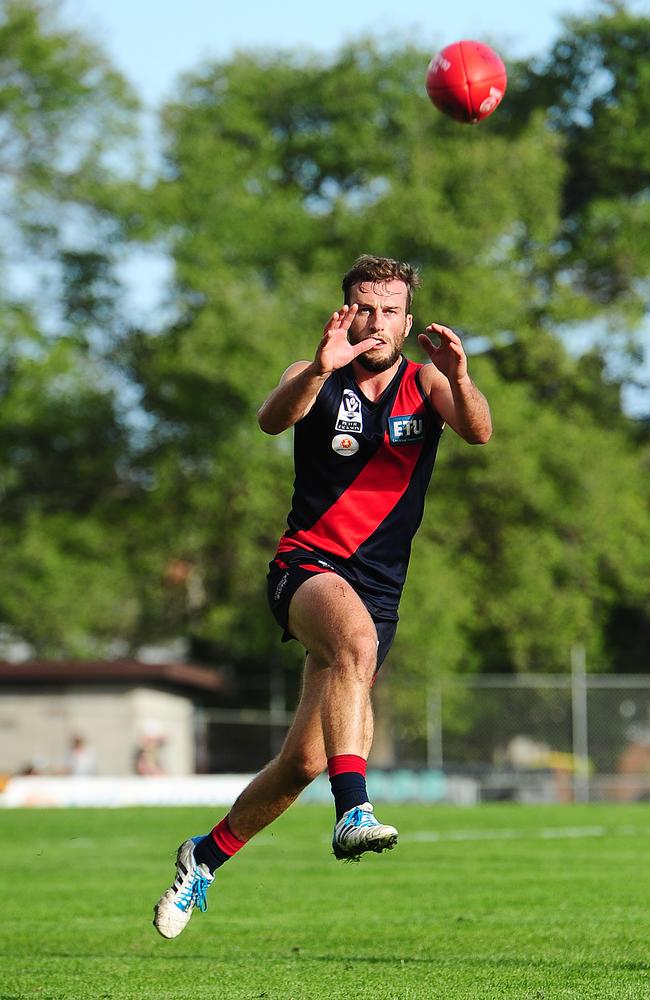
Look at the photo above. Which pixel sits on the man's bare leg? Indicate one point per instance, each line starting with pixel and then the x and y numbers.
pixel 333 623
pixel 267 796
pixel 328 704
pixel 333 720
pixel 301 759
pixel 334 715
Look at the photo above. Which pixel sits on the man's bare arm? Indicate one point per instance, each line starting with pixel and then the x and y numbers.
pixel 451 390
pixel 293 397
pixel 303 380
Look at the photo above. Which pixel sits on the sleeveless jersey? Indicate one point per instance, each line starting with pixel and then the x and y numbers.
pixel 362 469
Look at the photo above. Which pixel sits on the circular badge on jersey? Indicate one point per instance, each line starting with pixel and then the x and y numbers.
pixel 345 444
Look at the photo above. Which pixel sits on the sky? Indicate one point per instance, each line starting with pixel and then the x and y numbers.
pixel 152 41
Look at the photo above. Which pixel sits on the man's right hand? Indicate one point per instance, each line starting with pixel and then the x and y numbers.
pixel 335 350
pixel 303 380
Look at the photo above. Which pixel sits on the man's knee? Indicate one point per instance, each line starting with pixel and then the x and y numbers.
pixel 327 616
pixel 357 656
pixel 301 767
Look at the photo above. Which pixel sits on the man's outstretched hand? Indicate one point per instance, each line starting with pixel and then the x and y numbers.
pixel 335 350
pixel 449 356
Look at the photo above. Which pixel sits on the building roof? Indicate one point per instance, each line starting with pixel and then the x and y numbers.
pixel 58 672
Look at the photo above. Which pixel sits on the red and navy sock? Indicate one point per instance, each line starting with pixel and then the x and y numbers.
pixel 347 774
pixel 218 847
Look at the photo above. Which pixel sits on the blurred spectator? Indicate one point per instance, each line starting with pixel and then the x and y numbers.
pixel 148 754
pixel 37 765
pixel 80 760
pixel 633 766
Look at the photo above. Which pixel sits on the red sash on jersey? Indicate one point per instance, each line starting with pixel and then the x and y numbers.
pixel 357 513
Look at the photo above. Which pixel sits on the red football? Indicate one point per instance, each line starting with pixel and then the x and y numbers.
pixel 467 81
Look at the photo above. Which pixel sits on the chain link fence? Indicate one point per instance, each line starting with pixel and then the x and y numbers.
pixel 542 738
pixel 574 737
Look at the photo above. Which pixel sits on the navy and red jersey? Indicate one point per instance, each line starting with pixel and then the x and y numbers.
pixel 362 471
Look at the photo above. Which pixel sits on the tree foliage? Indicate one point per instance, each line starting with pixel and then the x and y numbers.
pixel 64 556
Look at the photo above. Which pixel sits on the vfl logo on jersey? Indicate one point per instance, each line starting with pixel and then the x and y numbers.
pixel 349 417
pixel 405 430
pixel 343 444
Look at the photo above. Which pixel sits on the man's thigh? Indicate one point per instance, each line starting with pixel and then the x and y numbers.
pixel 328 617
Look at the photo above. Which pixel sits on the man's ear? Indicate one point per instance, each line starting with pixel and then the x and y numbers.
pixel 409 324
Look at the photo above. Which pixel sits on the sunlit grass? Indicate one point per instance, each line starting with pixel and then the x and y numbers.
pixel 494 902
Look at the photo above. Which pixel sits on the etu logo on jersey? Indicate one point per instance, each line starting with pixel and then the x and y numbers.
pixel 406 430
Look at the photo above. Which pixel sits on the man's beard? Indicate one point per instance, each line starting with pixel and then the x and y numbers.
pixel 380 364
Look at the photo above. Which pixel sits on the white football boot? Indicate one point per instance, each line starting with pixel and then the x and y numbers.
pixel 173 910
pixel 359 831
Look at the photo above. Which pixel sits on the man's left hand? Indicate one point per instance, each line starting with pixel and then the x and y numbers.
pixel 449 356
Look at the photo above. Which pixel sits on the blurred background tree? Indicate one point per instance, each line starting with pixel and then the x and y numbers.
pixel 277 171
pixel 68 127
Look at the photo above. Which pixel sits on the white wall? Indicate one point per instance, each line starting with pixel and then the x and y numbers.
pixel 36 728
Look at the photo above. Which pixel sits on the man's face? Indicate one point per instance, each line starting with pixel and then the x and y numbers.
pixel 382 314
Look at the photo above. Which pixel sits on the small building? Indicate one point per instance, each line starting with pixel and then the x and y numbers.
pixel 126 717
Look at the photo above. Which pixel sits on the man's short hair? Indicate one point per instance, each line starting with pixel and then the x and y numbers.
pixel 378 270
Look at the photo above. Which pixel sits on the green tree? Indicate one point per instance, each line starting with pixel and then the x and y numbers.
pixel 65 116
pixel 68 124
pixel 593 89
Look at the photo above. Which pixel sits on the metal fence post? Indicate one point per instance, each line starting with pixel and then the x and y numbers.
pixel 580 724
pixel 277 708
pixel 434 729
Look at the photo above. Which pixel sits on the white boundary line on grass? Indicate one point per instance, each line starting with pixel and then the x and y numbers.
pixel 543 833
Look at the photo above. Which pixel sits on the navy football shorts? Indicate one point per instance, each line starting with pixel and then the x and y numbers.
pixel 289 570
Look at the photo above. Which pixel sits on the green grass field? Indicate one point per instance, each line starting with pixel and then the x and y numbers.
pixel 532 903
